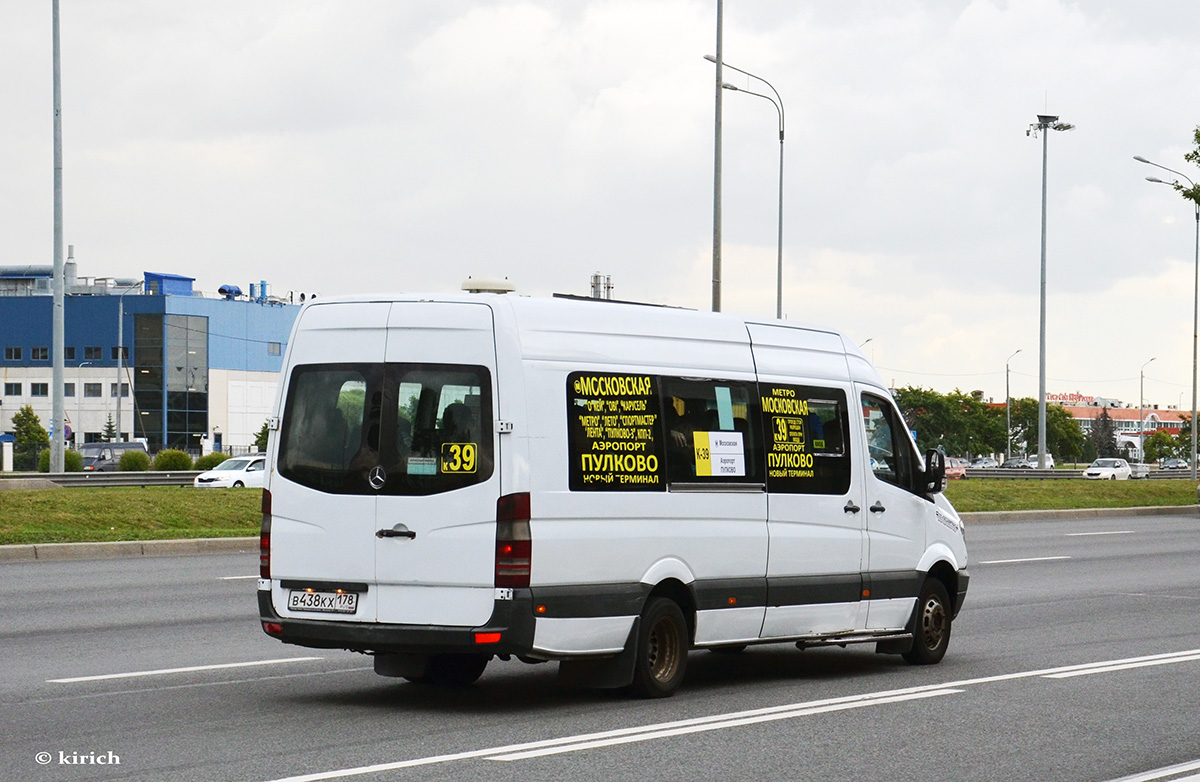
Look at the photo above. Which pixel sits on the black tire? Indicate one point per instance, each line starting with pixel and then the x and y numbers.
pixel 238 484
pixel 452 670
pixel 662 649
pixel 930 625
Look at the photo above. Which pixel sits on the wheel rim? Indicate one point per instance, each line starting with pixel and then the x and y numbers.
pixel 933 623
pixel 663 650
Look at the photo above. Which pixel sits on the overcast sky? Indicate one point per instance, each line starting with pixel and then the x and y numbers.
pixel 352 146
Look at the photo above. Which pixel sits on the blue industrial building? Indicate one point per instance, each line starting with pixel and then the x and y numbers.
pixel 198 371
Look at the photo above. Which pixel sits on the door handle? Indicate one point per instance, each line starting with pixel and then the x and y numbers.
pixel 851 507
pixel 878 507
pixel 395 533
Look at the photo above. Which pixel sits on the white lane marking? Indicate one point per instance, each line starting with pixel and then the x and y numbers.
pixel 791 709
pixel 237 578
pixel 1011 561
pixel 1160 773
pixel 190 669
pixel 1122 667
pixel 659 732
pixel 573 743
pixel 1086 534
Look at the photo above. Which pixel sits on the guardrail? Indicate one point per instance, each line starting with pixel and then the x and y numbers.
pixel 68 480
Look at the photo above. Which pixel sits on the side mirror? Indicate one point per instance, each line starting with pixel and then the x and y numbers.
pixel 934 478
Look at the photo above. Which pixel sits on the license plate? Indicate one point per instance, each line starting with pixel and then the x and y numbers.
pixel 325 602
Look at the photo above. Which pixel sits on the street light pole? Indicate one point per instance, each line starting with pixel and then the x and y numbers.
pixel 716 252
pixel 1195 291
pixel 1142 412
pixel 1007 414
pixel 1045 122
pixel 58 339
pixel 777 102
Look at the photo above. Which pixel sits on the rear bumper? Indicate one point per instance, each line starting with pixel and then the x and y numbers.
pixel 511 619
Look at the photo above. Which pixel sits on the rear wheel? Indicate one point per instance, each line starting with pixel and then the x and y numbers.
pixel 662 647
pixel 930 625
pixel 454 670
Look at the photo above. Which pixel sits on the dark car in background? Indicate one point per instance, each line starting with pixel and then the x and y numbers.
pixel 104 457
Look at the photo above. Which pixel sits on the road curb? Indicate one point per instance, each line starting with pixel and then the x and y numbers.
pixel 48 552
pixel 1079 513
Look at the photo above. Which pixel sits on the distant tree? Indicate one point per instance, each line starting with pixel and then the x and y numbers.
pixel 956 423
pixel 1104 436
pixel 1183 445
pixel 1191 193
pixel 1161 445
pixel 260 439
pixel 110 430
pixel 1064 437
pixel 29 437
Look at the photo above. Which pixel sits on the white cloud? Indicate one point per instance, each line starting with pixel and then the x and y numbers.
pixel 340 147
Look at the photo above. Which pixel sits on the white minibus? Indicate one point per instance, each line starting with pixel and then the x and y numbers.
pixel 457 478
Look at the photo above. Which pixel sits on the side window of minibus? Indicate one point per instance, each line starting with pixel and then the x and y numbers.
pixel 889 445
pixel 712 431
pixel 804 433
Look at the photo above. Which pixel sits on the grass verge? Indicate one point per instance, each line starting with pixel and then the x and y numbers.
pixel 1058 494
pixel 171 512
pixel 127 513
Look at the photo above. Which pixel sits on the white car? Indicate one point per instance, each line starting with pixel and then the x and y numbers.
pixel 1108 469
pixel 236 472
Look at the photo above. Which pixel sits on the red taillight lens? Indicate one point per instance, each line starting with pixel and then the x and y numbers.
pixel 264 538
pixel 514 546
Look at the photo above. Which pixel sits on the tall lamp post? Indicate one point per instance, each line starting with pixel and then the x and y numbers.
pixel 1195 289
pixel 716 251
pixel 1142 412
pixel 1007 414
pixel 777 102
pixel 1045 123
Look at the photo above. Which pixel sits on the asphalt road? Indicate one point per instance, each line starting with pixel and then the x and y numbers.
pixel 1077 657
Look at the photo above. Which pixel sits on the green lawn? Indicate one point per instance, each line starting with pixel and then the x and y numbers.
pixel 127 513
pixel 166 512
pixel 1063 493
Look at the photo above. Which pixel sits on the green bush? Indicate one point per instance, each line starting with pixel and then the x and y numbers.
pixel 172 459
pixel 134 461
pixel 72 461
pixel 210 460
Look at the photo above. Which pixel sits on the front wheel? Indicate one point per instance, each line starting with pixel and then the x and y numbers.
pixel 662 647
pixel 238 484
pixel 930 625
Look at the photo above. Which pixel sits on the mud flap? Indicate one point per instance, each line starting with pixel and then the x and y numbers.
pixel 896 646
pixel 603 672
pixel 409 666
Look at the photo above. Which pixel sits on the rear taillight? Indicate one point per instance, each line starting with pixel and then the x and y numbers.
pixel 514 546
pixel 264 538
